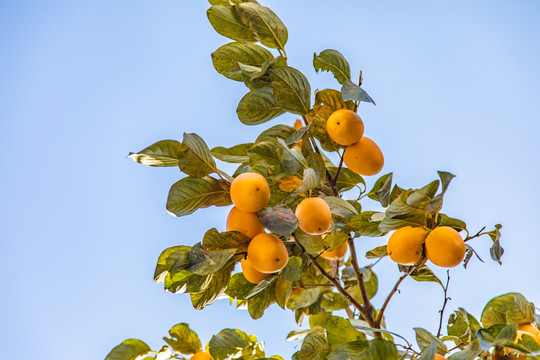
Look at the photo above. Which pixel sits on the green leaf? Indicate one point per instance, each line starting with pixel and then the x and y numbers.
pixel 129 349
pixel 340 332
pixel 258 106
pixel 204 262
pixel 174 257
pixel 265 152
pixel 260 287
pixel 332 100
pixel 214 240
pixel 425 274
pixel 235 154
pixel 351 91
pixel 279 219
pixel 346 179
pixel 267 27
pixel 195 158
pixel 293 270
pixel 333 61
pixel 283 291
pixel 213 291
pixel 239 287
pixel 190 194
pixel 364 225
pixel 511 308
pixel 227 57
pixel 381 189
pixel 259 303
pixel 462 325
pixel 226 22
pixel 310 180
pixel 292 155
pixel 303 298
pixel 429 352
pixel 228 344
pixel 371 281
pixel 456 224
pixel 340 207
pixel 312 243
pixel 332 301
pixel 186 341
pixel 496 251
pixel 400 214
pixel 291 89
pixel 280 131
pixel 334 240
pixel 162 153
pixel 469 353
pixel 297 135
pixel 424 339
pixel 378 252
pixel 300 334
pixel 314 347
pixel 376 349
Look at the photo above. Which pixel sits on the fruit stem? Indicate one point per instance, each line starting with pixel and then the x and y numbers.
pixel 420 262
pixel 338 169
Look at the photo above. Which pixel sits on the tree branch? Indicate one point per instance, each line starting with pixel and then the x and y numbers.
pixel 446 298
pixel 336 283
pixel 362 285
pixel 420 262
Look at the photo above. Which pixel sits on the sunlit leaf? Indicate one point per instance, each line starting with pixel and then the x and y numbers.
pixel 129 349
pixel 190 194
pixel 292 90
pixel 226 22
pixel 184 340
pixel 227 57
pixel 162 153
pixel 235 154
pixel 333 61
pixel 258 106
pixel 267 27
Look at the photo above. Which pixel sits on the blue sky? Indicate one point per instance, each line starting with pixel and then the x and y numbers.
pixel 84 83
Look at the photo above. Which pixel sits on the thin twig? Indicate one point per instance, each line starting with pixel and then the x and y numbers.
pixel 446 298
pixel 420 262
pixel 479 233
pixel 334 281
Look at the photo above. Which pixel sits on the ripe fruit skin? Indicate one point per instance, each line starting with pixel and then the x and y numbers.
pixel 529 329
pixel 201 355
pixel 336 254
pixel 267 253
pixel 439 357
pixel 405 245
pixel 250 192
pixel 314 216
pixel 364 157
pixel 345 127
pixel 250 273
pixel 445 247
pixel 245 222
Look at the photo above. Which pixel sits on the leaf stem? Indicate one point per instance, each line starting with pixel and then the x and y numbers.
pixel 479 233
pixel 420 262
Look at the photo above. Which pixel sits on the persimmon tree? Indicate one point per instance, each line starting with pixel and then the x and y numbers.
pixel 297 213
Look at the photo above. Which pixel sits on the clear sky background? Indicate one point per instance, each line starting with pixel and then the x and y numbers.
pixel 83 83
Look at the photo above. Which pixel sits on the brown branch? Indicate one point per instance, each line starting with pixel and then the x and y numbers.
pixel 479 233
pixel 362 285
pixel 446 298
pixel 338 169
pixel 334 281
pixel 420 262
